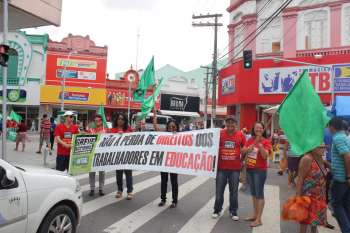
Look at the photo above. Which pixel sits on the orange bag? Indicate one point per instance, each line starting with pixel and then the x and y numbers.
pixel 296 208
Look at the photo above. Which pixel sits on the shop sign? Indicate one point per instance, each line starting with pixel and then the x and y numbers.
pixel 179 103
pixel 85 64
pixel 228 85
pixel 84 75
pixel 341 78
pixel 15 95
pixel 77 96
pixel 281 80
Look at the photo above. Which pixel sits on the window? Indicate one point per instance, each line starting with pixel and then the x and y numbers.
pixel 238 41
pixel 12 69
pixel 316 29
pixel 346 23
pixel 270 39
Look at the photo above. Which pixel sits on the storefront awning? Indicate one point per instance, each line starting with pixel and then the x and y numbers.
pixel 179 113
pixel 271 110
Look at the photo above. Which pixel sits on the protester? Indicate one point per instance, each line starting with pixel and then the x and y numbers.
pixel 21 135
pixel 292 162
pixel 257 150
pixel 282 159
pixel 63 136
pixel 45 126
pixel 101 174
pixel 229 167
pixel 312 183
pixel 340 189
pixel 121 125
pixel 171 126
pixel 52 132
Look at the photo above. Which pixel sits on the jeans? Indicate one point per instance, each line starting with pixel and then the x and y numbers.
pixel 256 179
pixel 222 178
pixel 340 194
pixel 164 186
pixel 128 178
pixel 62 163
pixel 101 180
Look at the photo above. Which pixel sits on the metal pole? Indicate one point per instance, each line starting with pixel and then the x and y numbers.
pixel 129 99
pixel 332 87
pixel 213 112
pixel 4 84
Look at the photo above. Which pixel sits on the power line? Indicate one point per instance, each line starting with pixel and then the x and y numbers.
pixel 216 24
pixel 243 27
pixel 265 24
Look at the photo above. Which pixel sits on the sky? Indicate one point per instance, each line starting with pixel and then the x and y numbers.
pixel 165 29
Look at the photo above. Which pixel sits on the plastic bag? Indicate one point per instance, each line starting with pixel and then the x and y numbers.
pixel 296 208
pixel 11 135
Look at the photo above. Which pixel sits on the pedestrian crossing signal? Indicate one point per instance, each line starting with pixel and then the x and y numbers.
pixel 247 59
pixel 4 57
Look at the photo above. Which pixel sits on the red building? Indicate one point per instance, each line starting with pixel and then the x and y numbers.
pixel 117 94
pixel 307 31
pixel 83 66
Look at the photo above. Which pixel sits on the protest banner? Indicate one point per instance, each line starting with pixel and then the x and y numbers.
pixel 191 153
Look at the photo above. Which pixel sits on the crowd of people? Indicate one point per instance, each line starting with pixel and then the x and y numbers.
pixel 243 157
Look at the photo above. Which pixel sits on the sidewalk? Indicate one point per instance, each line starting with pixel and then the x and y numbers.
pixel 29 156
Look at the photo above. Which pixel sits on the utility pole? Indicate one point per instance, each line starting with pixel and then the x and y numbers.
pixel 4 82
pixel 216 24
pixel 206 83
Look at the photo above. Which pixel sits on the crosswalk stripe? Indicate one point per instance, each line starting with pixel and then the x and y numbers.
pixel 272 213
pixel 108 181
pixel 202 221
pixel 108 199
pixel 139 217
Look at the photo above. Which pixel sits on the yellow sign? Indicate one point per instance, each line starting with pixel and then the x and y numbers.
pixel 87 64
pixel 73 95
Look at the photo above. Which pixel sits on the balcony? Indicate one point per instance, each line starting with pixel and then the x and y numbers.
pixel 343 50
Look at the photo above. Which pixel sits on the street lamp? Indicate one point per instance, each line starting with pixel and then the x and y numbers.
pixel 64 79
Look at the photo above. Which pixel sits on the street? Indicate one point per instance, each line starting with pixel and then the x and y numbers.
pixel 192 214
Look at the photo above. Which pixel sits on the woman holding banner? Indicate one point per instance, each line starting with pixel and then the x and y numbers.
pixel 121 125
pixel 257 150
pixel 171 126
pixel 101 174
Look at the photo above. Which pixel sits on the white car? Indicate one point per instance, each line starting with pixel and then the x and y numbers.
pixel 38 200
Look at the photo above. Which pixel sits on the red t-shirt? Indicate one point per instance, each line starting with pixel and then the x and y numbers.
pixel 254 158
pixel 116 130
pixel 98 130
pixel 66 135
pixel 230 150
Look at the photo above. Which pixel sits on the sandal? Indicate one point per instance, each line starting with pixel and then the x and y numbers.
pixel 119 194
pixel 255 224
pixel 130 196
pixel 250 219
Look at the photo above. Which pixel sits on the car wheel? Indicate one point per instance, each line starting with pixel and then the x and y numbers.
pixel 61 219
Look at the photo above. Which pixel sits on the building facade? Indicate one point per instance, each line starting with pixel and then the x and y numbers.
pixel 26 71
pixel 312 31
pixel 77 67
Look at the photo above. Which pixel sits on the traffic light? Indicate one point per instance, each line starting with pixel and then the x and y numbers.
pixel 4 57
pixel 247 59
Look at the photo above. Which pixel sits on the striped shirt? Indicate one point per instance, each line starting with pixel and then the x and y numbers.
pixel 45 127
pixel 340 147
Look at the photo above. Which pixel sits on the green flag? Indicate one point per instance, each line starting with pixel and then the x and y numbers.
pixel 15 117
pixel 149 103
pixel 147 80
pixel 101 111
pixel 303 117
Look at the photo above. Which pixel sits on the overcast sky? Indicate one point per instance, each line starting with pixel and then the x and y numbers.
pixel 165 28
